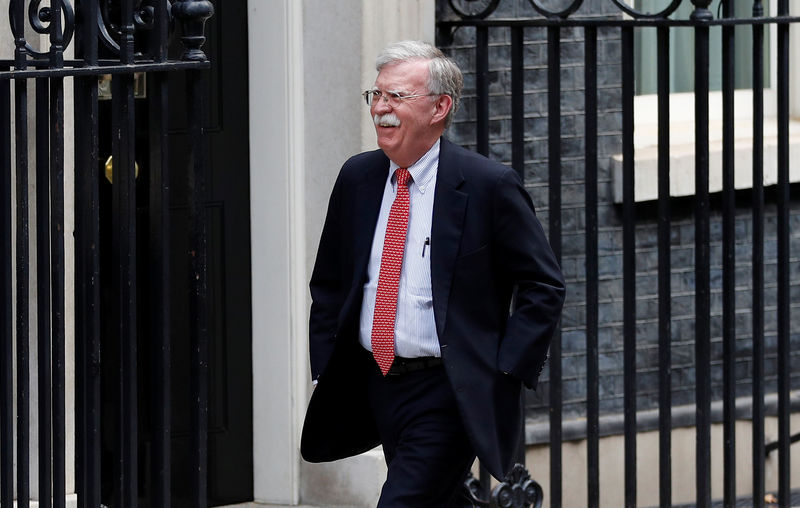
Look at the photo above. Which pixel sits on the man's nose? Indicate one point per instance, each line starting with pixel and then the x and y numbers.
pixel 381 106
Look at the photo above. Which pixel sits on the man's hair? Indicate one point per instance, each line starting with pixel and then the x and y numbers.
pixel 444 75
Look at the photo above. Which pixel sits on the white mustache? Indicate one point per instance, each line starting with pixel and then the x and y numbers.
pixel 387 120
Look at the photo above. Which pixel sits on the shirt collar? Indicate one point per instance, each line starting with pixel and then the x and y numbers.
pixel 422 171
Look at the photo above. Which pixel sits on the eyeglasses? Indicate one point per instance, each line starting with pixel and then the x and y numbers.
pixel 393 98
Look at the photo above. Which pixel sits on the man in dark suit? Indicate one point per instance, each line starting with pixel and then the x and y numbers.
pixel 434 296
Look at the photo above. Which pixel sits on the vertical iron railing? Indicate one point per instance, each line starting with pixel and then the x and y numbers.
pixel 43 330
pixel 664 276
pixel 629 266
pixel 123 261
pixel 136 42
pixel 518 147
pixel 197 13
pixel 758 259
pixel 22 269
pixel 57 265
pixel 784 324
pixel 482 140
pixel 728 261
pixel 87 272
pixel 708 275
pixel 592 270
pixel 702 251
pixel 6 376
pixel 554 222
pixel 158 261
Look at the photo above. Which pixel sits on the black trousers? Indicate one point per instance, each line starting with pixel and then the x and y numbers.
pixel 427 450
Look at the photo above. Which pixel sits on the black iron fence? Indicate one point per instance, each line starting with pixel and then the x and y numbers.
pixel 115 39
pixel 550 89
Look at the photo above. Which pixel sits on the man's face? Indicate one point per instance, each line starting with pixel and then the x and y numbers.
pixel 419 125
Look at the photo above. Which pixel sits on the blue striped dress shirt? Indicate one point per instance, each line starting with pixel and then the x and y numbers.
pixel 415 328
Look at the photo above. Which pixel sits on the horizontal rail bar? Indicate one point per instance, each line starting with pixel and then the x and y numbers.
pixel 44 63
pixel 617 22
pixel 103 69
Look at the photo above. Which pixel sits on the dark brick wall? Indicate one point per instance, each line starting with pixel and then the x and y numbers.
pixel 610 225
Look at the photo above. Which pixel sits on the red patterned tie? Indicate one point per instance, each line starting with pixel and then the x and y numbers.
pixel 389 279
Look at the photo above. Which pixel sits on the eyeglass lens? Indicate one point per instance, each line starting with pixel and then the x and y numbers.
pixel 373 96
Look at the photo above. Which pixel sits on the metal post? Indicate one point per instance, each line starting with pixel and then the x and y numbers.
pixel 784 298
pixel 482 88
pixel 702 277
pixel 629 267
pixel 6 320
pixel 664 277
pixel 758 259
pixel 124 263
pixel 518 160
pixel 728 262
pixel 87 271
pixel 159 257
pixel 518 102
pixel 592 304
pixel 57 277
pixel 193 15
pixel 43 290
pixel 23 263
pixel 554 223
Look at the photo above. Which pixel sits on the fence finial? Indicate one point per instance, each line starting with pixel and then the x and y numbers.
pixel 758 9
pixel 701 12
pixel 193 15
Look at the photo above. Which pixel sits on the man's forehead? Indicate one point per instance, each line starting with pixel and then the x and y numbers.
pixel 402 75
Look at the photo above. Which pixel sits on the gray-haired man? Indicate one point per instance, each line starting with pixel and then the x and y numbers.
pixel 412 342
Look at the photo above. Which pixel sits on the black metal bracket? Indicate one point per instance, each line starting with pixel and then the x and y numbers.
pixel 777 444
pixel 517 490
pixel 472 491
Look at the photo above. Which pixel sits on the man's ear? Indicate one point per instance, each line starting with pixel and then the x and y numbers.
pixel 442 107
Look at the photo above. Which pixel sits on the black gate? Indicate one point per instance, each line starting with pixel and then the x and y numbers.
pixel 670 320
pixel 116 42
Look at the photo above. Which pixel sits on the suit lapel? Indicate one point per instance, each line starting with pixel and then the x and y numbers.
pixel 367 197
pixel 449 206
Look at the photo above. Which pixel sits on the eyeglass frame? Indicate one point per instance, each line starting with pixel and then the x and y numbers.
pixel 392 96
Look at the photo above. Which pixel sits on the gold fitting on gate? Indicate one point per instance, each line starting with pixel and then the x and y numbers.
pixel 109 169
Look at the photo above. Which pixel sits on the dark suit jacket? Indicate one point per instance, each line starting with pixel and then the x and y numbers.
pixel 486 245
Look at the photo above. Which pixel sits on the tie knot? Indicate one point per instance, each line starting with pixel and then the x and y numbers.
pixel 403 176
